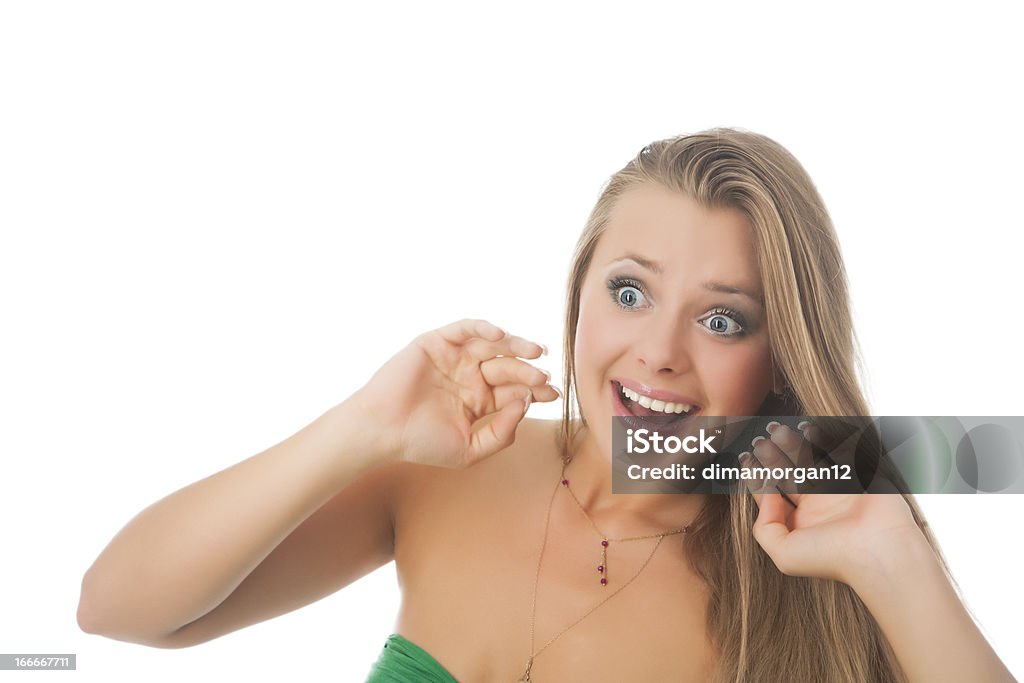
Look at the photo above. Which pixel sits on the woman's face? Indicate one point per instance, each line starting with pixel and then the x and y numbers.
pixel 671 304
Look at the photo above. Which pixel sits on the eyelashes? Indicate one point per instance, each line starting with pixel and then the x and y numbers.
pixel 629 294
pixel 625 284
pixel 729 315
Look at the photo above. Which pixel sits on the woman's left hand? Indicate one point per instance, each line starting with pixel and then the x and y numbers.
pixel 870 542
pixel 847 537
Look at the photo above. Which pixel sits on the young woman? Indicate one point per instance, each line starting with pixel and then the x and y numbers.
pixel 708 280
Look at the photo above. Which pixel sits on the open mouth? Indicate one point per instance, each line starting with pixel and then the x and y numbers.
pixel 629 404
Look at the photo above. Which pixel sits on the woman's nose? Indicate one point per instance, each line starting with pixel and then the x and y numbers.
pixel 663 346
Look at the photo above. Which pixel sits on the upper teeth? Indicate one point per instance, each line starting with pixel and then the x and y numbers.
pixel 655 404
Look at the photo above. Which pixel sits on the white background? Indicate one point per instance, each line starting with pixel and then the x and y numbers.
pixel 218 219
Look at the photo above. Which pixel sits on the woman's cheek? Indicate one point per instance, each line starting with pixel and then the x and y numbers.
pixel 594 334
pixel 586 355
pixel 739 380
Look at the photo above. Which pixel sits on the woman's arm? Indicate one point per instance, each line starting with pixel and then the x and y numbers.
pixel 313 513
pixel 871 542
pixel 181 557
pixel 932 634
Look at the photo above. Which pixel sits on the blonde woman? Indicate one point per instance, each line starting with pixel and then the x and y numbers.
pixel 708 281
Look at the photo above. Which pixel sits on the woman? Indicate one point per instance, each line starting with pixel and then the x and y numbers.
pixel 708 280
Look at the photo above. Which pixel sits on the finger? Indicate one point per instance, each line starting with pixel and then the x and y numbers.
pixel 792 443
pixel 772 511
pixel 837 444
pixel 837 437
pixel 752 485
pixel 499 432
pixel 508 370
pixel 507 393
pixel 771 530
pixel 756 484
pixel 771 456
pixel 464 330
pixel 483 349
pixel 819 441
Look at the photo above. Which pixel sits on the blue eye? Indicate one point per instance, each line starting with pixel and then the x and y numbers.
pixel 724 322
pixel 628 294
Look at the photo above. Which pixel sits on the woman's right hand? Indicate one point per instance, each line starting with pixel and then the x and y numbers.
pixel 455 395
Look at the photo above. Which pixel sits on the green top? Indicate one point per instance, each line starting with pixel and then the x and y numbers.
pixel 403 661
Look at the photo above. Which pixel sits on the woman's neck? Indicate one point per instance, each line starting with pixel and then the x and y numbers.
pixel 620 514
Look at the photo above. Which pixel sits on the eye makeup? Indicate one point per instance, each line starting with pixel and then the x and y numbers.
pixel 618 286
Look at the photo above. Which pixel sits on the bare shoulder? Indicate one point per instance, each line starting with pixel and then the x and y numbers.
pixel 430 504
pixel 440 514
pixel 532 456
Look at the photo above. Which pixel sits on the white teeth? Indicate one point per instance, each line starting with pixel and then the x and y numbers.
pixel 655 404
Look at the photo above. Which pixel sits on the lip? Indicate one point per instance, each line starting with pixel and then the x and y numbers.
pixel 658 394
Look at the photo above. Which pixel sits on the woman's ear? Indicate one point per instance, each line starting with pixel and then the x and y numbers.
pixel 779 385
pixel 779 404
pixel 781 399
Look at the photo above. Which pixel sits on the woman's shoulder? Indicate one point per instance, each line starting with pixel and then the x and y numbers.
pixel 536 444
pixel 535 447
pixel 532 458
pixel 436 507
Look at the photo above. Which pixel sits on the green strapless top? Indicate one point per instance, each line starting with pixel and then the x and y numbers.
pixel 403 661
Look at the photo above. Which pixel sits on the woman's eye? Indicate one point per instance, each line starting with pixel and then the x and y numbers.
pixel 627 293
pixel 722 324
pixel 628 296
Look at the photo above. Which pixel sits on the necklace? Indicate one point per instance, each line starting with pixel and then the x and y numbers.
pixel 601 568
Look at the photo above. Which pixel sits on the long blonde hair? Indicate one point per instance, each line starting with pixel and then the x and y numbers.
pixel 767 626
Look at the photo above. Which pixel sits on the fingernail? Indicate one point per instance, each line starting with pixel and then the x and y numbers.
pixel 770 427
pixel 543 350
pixel 803 425
pixel 745 458
pixel 556 390
pixel 756 439
pixel 527 401
pixel 546 373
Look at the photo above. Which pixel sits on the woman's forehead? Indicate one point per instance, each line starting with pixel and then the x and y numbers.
pixel 679 236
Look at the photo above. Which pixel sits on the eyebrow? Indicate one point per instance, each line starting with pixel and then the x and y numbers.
pixel 710 285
